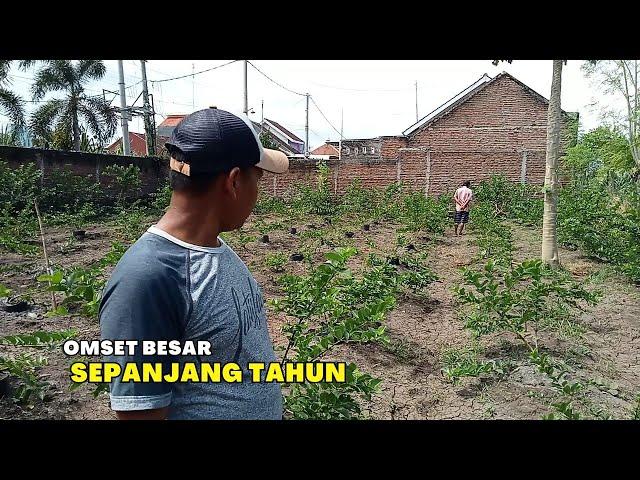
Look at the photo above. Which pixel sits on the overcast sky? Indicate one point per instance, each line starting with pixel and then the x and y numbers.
pixel 378 97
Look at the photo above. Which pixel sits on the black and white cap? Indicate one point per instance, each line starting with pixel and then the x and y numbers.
pixel 214 140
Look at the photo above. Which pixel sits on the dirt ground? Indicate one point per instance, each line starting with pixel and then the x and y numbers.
pixel 420 329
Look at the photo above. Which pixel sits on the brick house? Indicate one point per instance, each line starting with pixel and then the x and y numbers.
pixel 286 141
pixel 495 126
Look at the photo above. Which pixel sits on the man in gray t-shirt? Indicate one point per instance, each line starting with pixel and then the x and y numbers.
pixel 180 281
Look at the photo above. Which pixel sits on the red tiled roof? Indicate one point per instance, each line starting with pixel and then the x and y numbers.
pixel 138 142
pixel 325 149
pixel 172 120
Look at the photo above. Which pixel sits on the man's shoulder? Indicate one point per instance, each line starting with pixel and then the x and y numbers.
pixel 150 257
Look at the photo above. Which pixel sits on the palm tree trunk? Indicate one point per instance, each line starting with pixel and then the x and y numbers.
pixel 554 122
pixel 76 128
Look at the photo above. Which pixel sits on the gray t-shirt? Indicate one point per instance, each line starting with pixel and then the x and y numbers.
pixel 167 289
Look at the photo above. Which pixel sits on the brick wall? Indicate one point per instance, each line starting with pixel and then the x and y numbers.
pixel 152 170
pixel 493 132
pixel 500 129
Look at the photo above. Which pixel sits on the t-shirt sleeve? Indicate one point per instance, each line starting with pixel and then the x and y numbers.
pixel 139 303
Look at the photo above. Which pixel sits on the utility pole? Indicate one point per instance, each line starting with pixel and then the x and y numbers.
pixel 148 113
pixel 246 94
pixel 341 126
pixel 262 115
pixel 416 100
pixel 124 114
pixel 306 130
pixel 193 88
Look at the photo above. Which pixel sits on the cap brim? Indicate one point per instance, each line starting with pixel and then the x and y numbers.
pixel 273 161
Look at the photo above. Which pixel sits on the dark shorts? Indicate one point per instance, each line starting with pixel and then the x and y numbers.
pixel 461 217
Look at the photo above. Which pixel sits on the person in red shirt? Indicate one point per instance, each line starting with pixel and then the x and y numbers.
pixel 463 198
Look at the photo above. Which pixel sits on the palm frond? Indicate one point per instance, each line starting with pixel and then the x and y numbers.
pixel 99 116
pixel 90 70
pixel 50 78
pixel 12 106
pixel 43 119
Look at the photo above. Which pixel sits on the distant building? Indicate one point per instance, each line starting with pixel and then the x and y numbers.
pixel 138 142
pixel 165 129
pixel 286 141
pixel 328 151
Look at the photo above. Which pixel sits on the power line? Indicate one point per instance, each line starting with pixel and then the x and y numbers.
pixel 166 75
pixel 323 116
pixel 273 81
pixel 193 74
pixel 361 89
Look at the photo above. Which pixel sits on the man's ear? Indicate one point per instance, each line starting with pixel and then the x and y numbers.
pixel 232 182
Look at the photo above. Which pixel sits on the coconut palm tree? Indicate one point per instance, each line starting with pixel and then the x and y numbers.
pixel 11 104
pixel 65 114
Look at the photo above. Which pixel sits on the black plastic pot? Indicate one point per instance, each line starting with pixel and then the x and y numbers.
pixel 14 307
pixel 297 257
pixel 366 227
pixel 394 261
pixel 348 234
pixel 79 234
pixel 293 230
pixel 265 238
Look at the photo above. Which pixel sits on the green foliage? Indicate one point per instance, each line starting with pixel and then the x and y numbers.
pixel 4 291
pixel 114 255
pixel 332 306
pixel 635 414
pixel 132 222
pixel 267 142
pixel 275 261
pixel 125 180
pixel 318 200
pixel 419 212
pixel 23 368
pixel 509 299
pixel 493 236
pixel 65 191
pixel 417 276
pixel 16 228
pixel 268 204
pixel 604 227
pixel 356 199
pixel 520 202
pixel 601 155
pixel 53 120
pixel 19 186
pixel 323 401
pixel 38 339
pixel 81 287
pixel 9 136
pixel 558 375
pixel 464 362
pixel 162 197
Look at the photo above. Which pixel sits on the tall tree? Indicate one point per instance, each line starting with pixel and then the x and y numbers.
pixel 66 114
pixel 620 77
pixel 554 128
pixel 11 104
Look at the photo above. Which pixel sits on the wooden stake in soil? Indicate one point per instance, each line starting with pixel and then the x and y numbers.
pixel 46 257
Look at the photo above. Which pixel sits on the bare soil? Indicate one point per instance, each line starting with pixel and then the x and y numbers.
pixel 420 329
